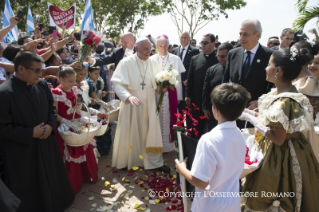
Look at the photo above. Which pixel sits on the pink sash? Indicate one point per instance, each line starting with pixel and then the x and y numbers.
pixel 172 96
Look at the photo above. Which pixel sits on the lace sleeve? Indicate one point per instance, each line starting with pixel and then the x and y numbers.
pixel 284 112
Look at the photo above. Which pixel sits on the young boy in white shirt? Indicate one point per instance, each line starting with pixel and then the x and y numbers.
pixel 220 154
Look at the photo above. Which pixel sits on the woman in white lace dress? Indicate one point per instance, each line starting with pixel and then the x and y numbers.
pixel 288 179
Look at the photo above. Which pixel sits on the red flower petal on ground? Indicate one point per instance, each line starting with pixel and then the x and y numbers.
pixel 168 209
pixel 175 201
pixel 108 166
pixel 179 124
pixel 174 207
pixel 114 171
pixel 202 117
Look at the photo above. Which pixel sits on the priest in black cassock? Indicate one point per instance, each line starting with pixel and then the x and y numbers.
pixel 214 76
pixel 34 169
pixel 195 80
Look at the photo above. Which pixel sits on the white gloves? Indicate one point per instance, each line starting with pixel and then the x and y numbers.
pixel 254 121
pixel 93 111
pixel 251 112
pixel 71 125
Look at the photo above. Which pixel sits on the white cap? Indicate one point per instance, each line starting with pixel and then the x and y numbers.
pixel 141 39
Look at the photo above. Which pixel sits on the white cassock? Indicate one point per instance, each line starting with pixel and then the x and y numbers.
pixel 138 139
pixel 164 114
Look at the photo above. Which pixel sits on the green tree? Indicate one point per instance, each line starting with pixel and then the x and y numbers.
pixel 193 15
pixel 305 14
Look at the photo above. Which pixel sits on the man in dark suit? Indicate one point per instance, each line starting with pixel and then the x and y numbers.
pixel 195 80
pixel 128 42
pixel 214 76
pixel 246 65
pixel 185 52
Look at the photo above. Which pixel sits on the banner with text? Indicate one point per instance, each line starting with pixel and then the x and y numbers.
pixel 58 17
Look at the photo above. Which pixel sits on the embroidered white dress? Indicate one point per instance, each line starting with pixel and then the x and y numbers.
pixel 290 168
pixel 164 114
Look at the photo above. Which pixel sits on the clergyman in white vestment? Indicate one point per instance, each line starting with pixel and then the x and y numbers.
pixel 164 58
pixel 138 139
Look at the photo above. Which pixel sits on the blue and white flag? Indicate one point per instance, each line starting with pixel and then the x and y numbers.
pixel 30 23
pixel 7 14
pixel 88 21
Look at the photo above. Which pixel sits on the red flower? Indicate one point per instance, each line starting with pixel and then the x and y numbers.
pixel 179 124
pixel 202 117
pixel 88 41
pixel 184 111
pixel 90 34
pixel 96 41
pixel 178 115
pixel 190 115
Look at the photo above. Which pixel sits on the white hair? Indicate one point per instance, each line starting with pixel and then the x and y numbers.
pixel 254 22
pixel 162 38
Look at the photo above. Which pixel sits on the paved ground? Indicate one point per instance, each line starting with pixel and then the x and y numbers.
pixel 128 190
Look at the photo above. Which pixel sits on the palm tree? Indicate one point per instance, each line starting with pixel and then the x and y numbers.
pixel 305 14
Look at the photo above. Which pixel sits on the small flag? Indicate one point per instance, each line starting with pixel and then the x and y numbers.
pixel 30 23
pixel 8 13
pixel 88 21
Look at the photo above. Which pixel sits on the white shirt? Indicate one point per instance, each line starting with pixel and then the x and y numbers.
pixel 184 53
pixel 252 53
pixel 219 160
pixel 3 72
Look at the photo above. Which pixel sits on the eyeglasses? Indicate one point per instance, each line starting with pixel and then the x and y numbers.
pixel 221 56
pixel 37 71
pixel 193 43
pixel 204 43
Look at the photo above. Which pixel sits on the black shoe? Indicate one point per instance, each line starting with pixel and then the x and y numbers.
pixel 164 169
pixel 125 168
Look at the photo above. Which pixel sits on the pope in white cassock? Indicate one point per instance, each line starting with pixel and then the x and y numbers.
pixel 138 139
pixel 171 98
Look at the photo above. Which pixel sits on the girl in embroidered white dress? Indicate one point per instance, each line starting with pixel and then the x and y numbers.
pixel 288 178
pixel 80 162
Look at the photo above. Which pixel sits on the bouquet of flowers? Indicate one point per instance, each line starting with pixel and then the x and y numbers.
pixel 89 42
pixel 166 78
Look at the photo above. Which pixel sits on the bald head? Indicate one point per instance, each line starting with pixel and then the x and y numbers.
pixel 184 39
pixel 128 40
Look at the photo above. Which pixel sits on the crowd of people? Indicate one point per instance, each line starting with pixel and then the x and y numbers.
pixel 221 86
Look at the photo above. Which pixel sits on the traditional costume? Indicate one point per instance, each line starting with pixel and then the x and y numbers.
pixel 170 100
pixel 290 168
pixel 79 162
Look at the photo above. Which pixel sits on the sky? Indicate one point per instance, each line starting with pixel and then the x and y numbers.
pixel 274 15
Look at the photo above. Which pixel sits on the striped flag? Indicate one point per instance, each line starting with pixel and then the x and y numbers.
pixel 7 14
pixel 88 21
pixel 30 24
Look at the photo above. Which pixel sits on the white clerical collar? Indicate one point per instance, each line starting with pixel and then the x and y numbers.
pixel 163 56
pixel 139 59
pixel 253 50
pixel 186 47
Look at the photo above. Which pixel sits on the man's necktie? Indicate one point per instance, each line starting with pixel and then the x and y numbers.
pixel 246 65
pixel 181 55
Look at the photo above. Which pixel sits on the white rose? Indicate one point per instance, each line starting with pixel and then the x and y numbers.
pixel 162 77
pixel 174 73
pixel 172 81
pixel 168 76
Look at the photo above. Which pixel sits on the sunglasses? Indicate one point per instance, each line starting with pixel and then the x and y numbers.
pixel 204 43
pixel 37 71
pixel 193 43
pixel 275 43
pixel 221 56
